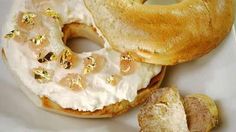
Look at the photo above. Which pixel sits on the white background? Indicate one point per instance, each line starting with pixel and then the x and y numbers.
pixel 213 74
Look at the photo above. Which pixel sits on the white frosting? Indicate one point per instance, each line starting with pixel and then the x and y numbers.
pixel 98 94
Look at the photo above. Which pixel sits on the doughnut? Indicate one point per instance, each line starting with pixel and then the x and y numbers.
pixel 163 34
pixel 97 84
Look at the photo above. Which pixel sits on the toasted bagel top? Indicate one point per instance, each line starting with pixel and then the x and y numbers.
pixel 163 34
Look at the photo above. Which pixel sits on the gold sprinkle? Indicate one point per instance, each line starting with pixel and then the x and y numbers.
pixel 51 13
pixel 66 59
pixel 125 69
pixel 92 59
pixel 93 63
pixel 90 66
pixel 48 57
pixel 127 57
pixel 28 18
pixel 12 34
pixel 127 64
pixel 73 81
pixel 113 79
pixel 38 39
pixel 42 75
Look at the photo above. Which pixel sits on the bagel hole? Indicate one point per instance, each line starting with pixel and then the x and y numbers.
pixel 161 2
pixel 81 44
pixel 81 38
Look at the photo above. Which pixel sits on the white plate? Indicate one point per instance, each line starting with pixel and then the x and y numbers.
pixel 213 74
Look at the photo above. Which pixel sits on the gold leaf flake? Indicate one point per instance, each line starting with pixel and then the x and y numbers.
pixel 74 81
pixel 126 57
pixel 28 18
pixel 66 59
pixel 38 40
pixel 90 65
pixel 12 34
pixel 113 79
pixel 51 13
pixel 42 75
pixel 127 64
pixel 91 59
pixel 48 57
pixel 93 63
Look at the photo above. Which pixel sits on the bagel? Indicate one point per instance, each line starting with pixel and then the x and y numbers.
pixel 97 84
pixel 163 34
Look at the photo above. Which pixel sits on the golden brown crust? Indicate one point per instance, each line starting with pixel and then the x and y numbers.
pixel 161 34
pixel 111 110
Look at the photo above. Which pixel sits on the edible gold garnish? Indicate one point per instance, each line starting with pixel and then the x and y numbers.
pixel 127 64
pixel 51 13
pixel 42 75
pixel 12 34
pixel 113 79
pixel 66 58
pixel 93 63
pixel 127 57
pixel 28 18
pixel 48 57
pixel 38 39
pixel 92 60
pixel 125 68
pixel 90 66
pixel 73 81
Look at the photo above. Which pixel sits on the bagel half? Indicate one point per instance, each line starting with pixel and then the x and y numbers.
pixel 161 34
pixel 79 30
